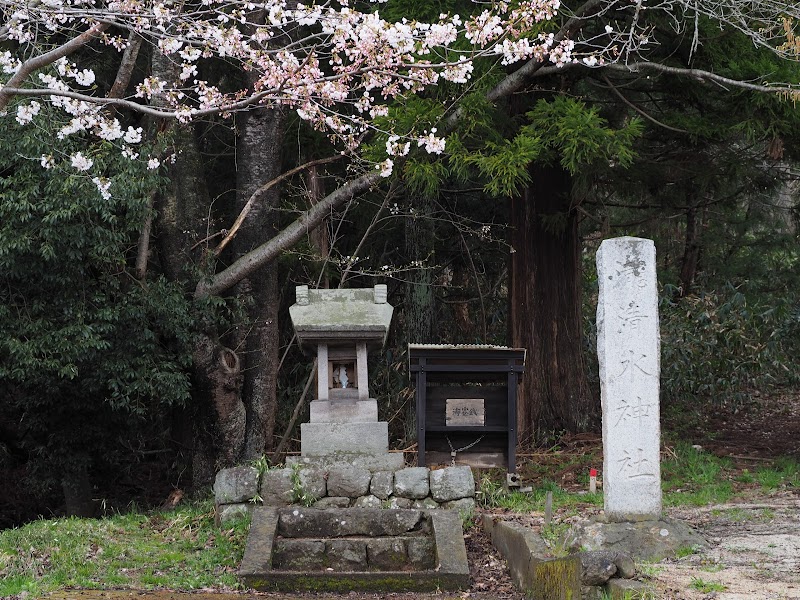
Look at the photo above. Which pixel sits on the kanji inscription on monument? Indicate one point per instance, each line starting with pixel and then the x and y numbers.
pixel 465 411
pixel 628 348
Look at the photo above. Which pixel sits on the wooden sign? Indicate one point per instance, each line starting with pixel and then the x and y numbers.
pixel 465 411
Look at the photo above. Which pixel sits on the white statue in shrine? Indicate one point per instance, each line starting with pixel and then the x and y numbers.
pixel 340 376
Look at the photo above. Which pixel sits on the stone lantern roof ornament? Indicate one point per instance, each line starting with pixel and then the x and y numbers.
pixel 341 316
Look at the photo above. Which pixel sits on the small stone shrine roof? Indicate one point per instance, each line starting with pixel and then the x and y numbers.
pixel 343 315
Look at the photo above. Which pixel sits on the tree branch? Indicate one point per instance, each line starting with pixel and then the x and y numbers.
pixel 639 110
pixel 704 76
pixel 286 238
pixel 262 190
pixel 32 64
pixel 126 65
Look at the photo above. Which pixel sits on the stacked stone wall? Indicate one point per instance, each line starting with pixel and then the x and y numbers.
pixel 238 489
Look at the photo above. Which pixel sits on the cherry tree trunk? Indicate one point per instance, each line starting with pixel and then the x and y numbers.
pixel 545 308
pixel 258 160
pixel 213 424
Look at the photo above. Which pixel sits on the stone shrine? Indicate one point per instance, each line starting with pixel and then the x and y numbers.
pixel 628 349
pixel 342 326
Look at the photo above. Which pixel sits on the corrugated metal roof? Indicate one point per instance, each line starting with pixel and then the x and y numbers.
pixel 460 347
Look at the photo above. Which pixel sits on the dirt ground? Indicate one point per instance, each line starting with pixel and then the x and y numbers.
pixel 754 552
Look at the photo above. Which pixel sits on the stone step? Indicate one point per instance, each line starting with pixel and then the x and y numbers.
pixel 392 553
pixel 377 550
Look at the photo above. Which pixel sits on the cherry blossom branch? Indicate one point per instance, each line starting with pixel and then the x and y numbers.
pixel 48 58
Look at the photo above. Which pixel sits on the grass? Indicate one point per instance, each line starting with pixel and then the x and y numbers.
pixel 690 476
pixel 685 551
pixel 491 493
pixel 706 586
pixel 697 478
pixel 176 549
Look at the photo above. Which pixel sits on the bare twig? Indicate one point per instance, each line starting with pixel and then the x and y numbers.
pixel 639 110
pixel 277 456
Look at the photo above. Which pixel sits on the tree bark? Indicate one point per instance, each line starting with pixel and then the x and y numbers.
pixel 691 249
pixel 545 308
pixel 419 308
pixel 259 161
pixel 319 237
pixel 220 414
pixel 182 220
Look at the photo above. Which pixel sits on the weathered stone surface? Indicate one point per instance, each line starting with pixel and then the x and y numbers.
pixel 382 484
pixel 387 554
pixel 341 439
pixel 234 485
pixel 596 568
pixel 641 540
pixel 395 502
pixel 340 313
pixel 276 487
pixel 425 504
pixel 592 592
pixel 333 502
pixel 421 552
pixel 452 483
pixel 412 482
pixel 626 568
pixel 532 567
pixel 463 505
pixel 627 589
pixel 348 522
pixel 347 480
pixel 299 555
pixel 257 557
pixel 628 348
pixel 347 555
pixel 313 482
pixel 392 461
pixel 448 570
pixel 362 411
pixel 369 501
pixel 231 512
pixel 451 553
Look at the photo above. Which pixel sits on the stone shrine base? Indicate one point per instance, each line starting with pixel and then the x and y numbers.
pixel 331 483
pixel 643 540
pixel 344 550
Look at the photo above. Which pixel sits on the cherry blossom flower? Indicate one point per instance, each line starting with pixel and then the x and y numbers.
pixel 80 162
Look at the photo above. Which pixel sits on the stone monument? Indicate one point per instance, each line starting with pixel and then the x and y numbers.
pixel 628 349
pixel 341 327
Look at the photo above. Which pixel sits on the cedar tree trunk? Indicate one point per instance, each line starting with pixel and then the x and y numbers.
pixel 545 308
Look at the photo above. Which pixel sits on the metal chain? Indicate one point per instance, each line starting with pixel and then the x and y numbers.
pixel 453 451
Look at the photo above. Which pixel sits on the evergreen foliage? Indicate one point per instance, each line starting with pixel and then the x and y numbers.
pixel 90 357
